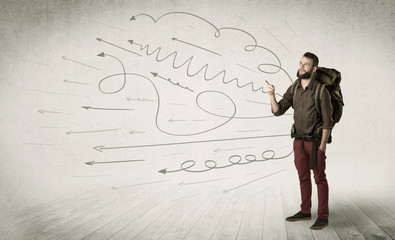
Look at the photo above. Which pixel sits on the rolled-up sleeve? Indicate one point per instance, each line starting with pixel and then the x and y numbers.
pixel 326 110
pixel 284 104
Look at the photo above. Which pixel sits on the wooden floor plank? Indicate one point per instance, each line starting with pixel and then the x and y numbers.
pixel 207 223
pixel 61 217
pixel 340 222
pixel 118 207
pixel 130 222
pixel 84 220
pixel 163 225
pixel 229 224
pixel 251 226
pixel 274 221
pixel 45 212
pixel 182 227
pixel 364 223
pixel 376 213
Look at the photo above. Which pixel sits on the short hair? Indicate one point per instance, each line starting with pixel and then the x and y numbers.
pixel 313 57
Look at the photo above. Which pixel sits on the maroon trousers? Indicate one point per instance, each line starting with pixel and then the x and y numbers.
pixel 302 152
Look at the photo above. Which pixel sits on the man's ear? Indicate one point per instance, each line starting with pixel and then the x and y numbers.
pixel 314 69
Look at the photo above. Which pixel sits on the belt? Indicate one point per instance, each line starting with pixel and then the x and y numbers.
pixel 314 149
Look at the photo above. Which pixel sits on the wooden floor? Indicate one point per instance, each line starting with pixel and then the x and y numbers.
pixel 204 211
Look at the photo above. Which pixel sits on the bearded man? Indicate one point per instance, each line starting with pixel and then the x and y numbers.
pixel 311 130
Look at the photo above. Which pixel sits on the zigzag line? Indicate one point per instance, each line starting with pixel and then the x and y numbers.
pixel 189 61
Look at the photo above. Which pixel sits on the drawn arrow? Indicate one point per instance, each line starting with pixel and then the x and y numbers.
pixel 94 131
pixel 178 40
pixel 42 111
pixel 139 184
pixel 169 80
pixel 230 149
pixel 231 189
pixel 211 164
pixel 57 93
pixel 164 171
pixel 250 130
pixel 134 43
pixel 86 65
pixel 176 120
pixel 140 99
pixel 94 162
pixel 68 81
pixel 101 40
pixel 111 109
pixel 264 103
pixel 100 148
pixel 134 132
pixel 213 180
pixel 157 75
pixel 40 144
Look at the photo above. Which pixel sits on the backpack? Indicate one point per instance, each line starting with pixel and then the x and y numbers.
pixel 329 78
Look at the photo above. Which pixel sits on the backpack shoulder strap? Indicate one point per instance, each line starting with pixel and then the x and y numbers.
pixel 319 91
pixel 293 90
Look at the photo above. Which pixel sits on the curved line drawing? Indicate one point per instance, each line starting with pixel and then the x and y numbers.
pixel 169 13
pixel 124 74
pixel 211 164
pixel 158 104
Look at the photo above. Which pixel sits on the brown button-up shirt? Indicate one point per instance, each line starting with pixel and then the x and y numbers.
pixel 307 120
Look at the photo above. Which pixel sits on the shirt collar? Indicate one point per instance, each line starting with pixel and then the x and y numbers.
pixel 313 83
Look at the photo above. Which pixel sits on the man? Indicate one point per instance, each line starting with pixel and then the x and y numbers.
pixel 311 131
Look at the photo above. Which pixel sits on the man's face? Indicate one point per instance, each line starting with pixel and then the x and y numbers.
pixel 306 68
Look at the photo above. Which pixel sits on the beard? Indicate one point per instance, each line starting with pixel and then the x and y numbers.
pixel 305 75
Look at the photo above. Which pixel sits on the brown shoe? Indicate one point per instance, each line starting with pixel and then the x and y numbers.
pixel 320 224
pixel 298 217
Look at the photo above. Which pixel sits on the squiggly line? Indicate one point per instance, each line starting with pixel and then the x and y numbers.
pixel 211 164
pixel 188 62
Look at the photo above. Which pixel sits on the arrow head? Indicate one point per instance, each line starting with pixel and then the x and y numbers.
pixel 132 18
pixel 101 54
pixel 64 57
pixel 98 148
pixel 68 132
pixel 163 171
pixel 86 107
pixel 42 111
pixel 130 41
pixel 181 184
pixel 217 150
pixel 99 39
pixel 154 73
pixel 174 39
pixel 90 163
